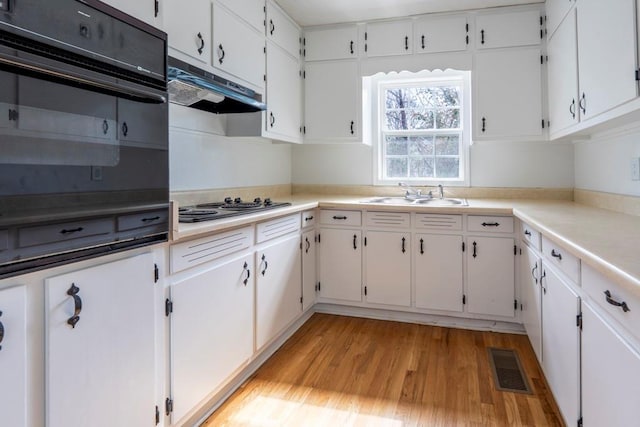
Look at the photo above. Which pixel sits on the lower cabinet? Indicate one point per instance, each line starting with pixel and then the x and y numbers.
pixel 340 264
pixel 100 343
pixel 388 268
pixel 278 287
pixel 309 283
pixel 531 298
pixel 13 352
pixel 438 272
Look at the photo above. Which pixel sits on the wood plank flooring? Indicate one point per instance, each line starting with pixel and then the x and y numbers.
pixel 342 371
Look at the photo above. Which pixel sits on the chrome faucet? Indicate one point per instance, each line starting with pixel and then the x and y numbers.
pixel 411 191
pixel 441 191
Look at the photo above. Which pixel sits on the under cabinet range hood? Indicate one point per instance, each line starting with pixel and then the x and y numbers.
pixel 193 87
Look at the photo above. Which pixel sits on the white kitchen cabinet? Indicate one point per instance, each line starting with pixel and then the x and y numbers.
pixel 388 38
pixel 340 278
pixel 448 33
pixel 284 95
pixel 309 280
pixel 282 30
pixel 508 29
pixel 211 329
pixel 147 11
pixel 531 298
pixel 327 43
pixel 490 276
pixel 508 88
pixel 610 373
pixel 332 111
pixel 251 11
pixel 561 342
pixel 189 28
pixel 606 54
pixel 239 49
pixel 556 10
pixel 278 288
pixel 100 345
pixel 438 272
pixel 13 357
pixel 388 268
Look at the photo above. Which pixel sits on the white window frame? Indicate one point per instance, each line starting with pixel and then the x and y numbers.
pixel 379 82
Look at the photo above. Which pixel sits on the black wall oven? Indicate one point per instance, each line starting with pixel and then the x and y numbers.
pixel 83 133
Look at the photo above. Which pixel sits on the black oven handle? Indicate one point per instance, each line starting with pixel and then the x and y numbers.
pixel 53 73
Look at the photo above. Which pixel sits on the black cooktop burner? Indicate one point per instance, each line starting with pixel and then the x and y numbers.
pixel 229 207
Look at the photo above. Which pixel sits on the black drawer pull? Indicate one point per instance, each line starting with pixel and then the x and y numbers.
pixel 572 108
pixel 421 246
pixel 1 332
pixel 354 242
pixel 623 305
pixel 556 254
pixel 221 53
pixel 406 42
pixel 306 250
pixel 266 264
pixel 475 249
pixel 273 27
pixel 125 129
pixel 155 218
pixel 491 224
pixel 339 217
pixel 484 124
pixel 352 130
pixel 482 36
pixel 201 47
pixel 423 41
pixel 403 242
pixel 309 218
pixel 533 273
pixel 351 47
pixel 77 305
pixel 245 267
pixel 527 233
pixel 273 119
pixel 71 230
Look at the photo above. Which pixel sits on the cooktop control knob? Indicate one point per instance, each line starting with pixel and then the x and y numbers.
pixel 257 200
pixel 228 200
pixel 237 200
pixel 267 202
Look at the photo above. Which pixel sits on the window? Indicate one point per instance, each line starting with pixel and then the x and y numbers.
pixel 422 128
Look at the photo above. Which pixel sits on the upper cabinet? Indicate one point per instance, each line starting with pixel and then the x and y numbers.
pixel 148 11
pixel 556 11
pixel 251 11
pixel 441 34
pixel 388 38
pixel 507 29
pixel 189 28
pixel 282 30
pixel 330 43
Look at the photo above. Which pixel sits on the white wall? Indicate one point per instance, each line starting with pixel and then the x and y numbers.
pixel 603 163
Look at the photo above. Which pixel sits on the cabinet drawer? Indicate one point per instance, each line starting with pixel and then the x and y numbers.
pixel 277 227
pixel 388 219
pixel 335 217
pixel 595 285
pixel 439 222
pixel 209 248
pixel 4 240
pixel 490 224
pixel 145 219
pixel 52 233
pixel 529 235
pixel 561 258
pixel 309 219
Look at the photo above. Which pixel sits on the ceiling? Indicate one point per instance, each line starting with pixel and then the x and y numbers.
pixel 320 12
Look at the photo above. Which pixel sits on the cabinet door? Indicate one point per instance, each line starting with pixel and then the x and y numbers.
pixel 211 330
pixel 140 125
pixel 102 369
pixel 561 343
pixel 388 38
pixel 490 276
pixel 146 11
pixel 606 54
pixel 331 43
pixel 309 279
pixel 438 269
pixel 278 288
pixel 509 94
pixel 610 374
pixel 252 11
pixel 340 264
pixel 13 357
pixel 506 29
pixel 556 10
pixel 441 34
pixel 238 48
pixel 531 298
pixel 332 91
pixel 388 268
pixel 283 95
pixel 563 76
pixel 189 28
pixel 282 30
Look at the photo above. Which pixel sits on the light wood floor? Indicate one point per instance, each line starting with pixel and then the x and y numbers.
pixel 341 371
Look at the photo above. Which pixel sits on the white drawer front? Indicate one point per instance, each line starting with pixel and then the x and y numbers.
pixel 529 235
pixel 277 227
pixel 619 303
pixel 336 217
pixel 439 222
pixel 561 258
pixel 490 224
pixel 309 218
pixel 388 219
pixel 208 248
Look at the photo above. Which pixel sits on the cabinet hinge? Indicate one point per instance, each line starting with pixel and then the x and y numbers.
pixel 168 406
pixel 580 422
pixel 156 273
pixel 466 27
pixel 467 38
pixel 542 123
pixel 463 247
pixel 464 299
pixel 365 240
pixel 637 75
pixel 157 415
pixel 541 59
pixel 515 304
pixel 300 300
pixel 520 251
pixel 515 250
pixel 168 307
pixel 541 33
pixel 304 74
pixel 318 288
pixel 541 20
pixel 305 131
pixel 156 10
pixel 579 321
pixel 264 77
pixel 300 245
pixel 365 291
pixel 521 307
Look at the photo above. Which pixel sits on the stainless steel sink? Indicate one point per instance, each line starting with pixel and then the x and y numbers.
pixel 418 201
pixel 389 200
pixel 442 202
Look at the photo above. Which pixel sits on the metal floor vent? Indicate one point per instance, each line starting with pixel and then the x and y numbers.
pixel 507 370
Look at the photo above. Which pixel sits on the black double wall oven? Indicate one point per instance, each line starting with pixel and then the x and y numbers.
pixel 83 133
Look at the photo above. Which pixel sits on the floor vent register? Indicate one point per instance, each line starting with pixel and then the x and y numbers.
pixel 507 370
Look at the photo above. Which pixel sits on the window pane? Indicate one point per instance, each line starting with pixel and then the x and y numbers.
pixel 422 119
pixel 421 146
pixel 448 145
pixel 396 145
pixel 421 167
pixel 397 167
pixel 396 120
pixel 448 119
pixel 396 98
pixel 448 168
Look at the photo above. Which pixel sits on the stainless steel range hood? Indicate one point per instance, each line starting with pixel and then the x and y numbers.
pixel 197 88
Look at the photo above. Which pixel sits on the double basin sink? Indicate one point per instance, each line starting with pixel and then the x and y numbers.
pixel 424 201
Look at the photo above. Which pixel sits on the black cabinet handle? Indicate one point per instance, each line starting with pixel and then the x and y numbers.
pixel 77 305
pixel 245 267
pixel 266 264
pixel 351 47
pixel 423 41
pixel 623 305
pixel 484 124
pixel 309 218
pixel 201 47
pixel 155 218
pixel 125 129
pixel 572 108
pixel 475 249
pixel 352 123
pixel 220 53
pixel 156 8
pixel 273 27
pixel 406 42
pixel 533 273
pixel 527 233
pixel 421 246
pixel 306 250
pixel 1 332
pixel 583 103
pixel 544 274
pixel 490 224
pixel 71 230
pixel 354 242
pixel 556 254
pixel 403 242
pixel 482 36
pixel 272 119
pixel 105 127
pixel 339 217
